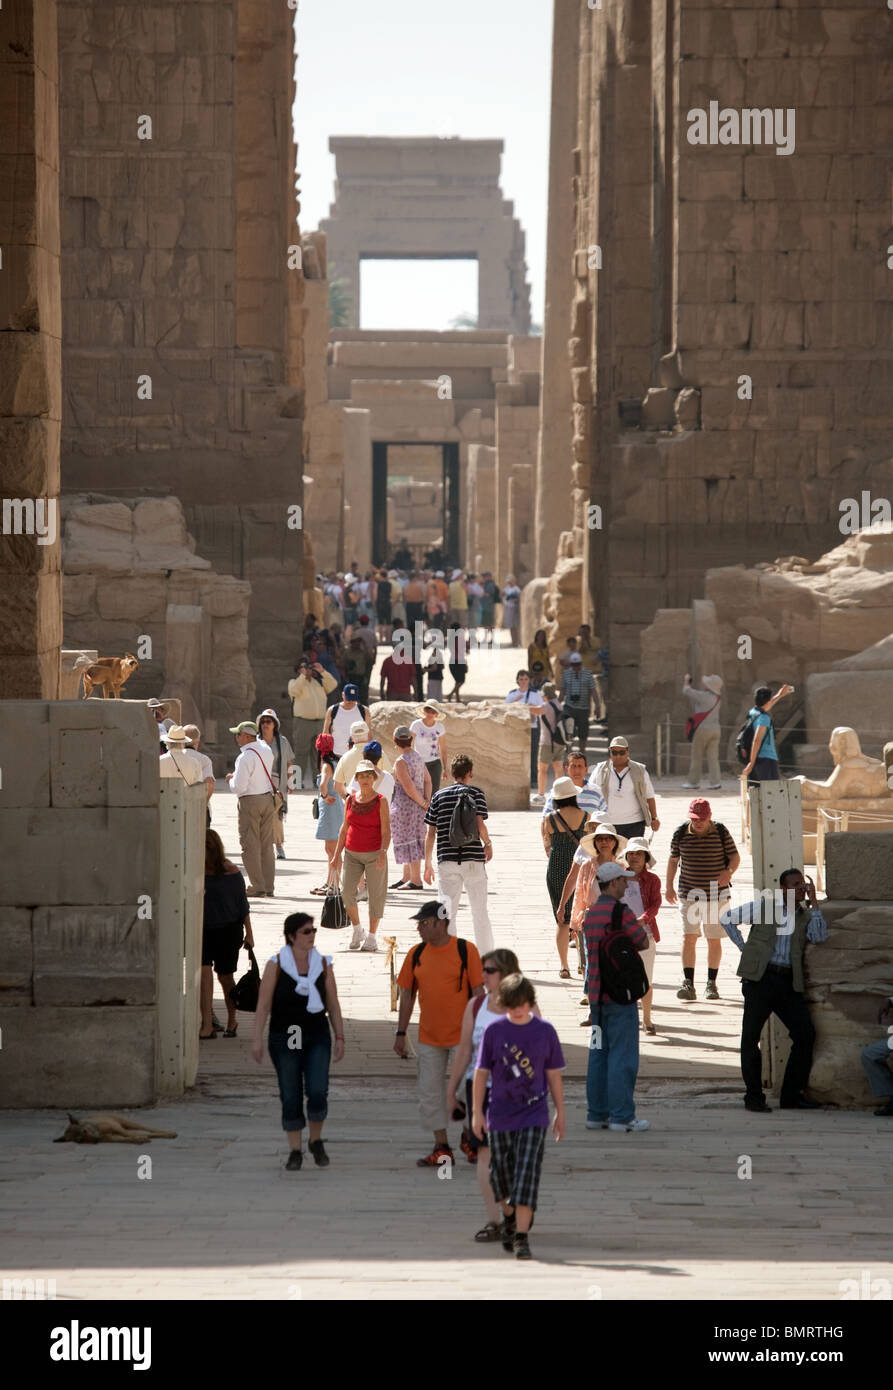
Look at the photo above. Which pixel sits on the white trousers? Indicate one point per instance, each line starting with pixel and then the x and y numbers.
pixel 451 879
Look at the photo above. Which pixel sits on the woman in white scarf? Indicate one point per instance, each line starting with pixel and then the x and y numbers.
pixel 299 994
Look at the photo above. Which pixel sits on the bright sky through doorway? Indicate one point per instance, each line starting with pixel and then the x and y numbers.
pixel 417 293
pixel 398 67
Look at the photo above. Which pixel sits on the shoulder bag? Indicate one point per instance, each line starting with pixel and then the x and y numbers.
pixel 278 798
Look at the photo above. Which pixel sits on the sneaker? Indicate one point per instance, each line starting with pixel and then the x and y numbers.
pixel 521 1247
pixel 362 896
pixel 280 852
pixel 295 1159
pixel 687 991
pixel 711 992
pixel 357 939
pixel 691 786
pixel 757 1106
pixel 714 786
pixel 433 1159
pixel 596 1124
pixel 631 1127
pixel 885 1109
pixel 320 1157
pixel 371 943
pixel 465 1146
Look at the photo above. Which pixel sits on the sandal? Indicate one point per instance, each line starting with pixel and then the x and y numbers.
pixel 492 1231
pixel 650 1028
pixel 564 973
pixel 206 1037
pixel 230 1032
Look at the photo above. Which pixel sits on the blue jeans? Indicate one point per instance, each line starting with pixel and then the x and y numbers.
pixel 613 1067
pixel 301 1069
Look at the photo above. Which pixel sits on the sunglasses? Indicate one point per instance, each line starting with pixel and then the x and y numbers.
pixel 307 931
pixel 491 970
pixel 617 752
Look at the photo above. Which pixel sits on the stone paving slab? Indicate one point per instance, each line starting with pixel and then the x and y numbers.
pixel 655 1215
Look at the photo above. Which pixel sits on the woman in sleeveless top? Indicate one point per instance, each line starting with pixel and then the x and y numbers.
pixel 363 844
pixel 562 832
pixel 412 793
pixel 331 807
pixel 479 1014
pixel 299 994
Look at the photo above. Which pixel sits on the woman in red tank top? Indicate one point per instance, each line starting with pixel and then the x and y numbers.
pixel 363 845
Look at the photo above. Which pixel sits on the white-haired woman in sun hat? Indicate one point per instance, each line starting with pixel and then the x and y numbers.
pixel 601 846
pixel 643 897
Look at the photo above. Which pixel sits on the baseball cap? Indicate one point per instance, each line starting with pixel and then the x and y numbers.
pixel 247 726
pixel 619 742
pixel 359 731
pixel 576 659
pixel 606 872
pixel 350 692
pixel 402 731
pixel 699 809
pixel 432 908
pixel 372 749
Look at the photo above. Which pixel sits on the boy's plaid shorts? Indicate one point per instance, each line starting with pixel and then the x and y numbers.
pixel 516 1157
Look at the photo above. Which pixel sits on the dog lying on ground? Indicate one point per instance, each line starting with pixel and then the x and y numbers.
pixel 109 673
pixel 110 1129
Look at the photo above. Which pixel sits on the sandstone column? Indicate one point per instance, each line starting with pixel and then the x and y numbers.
pixel 30 353
pixel 553 513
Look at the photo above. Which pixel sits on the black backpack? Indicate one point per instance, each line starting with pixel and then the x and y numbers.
pixel 718 825
pixel 463 960
pixel 463 821
pixel 620 965
pixel 744 741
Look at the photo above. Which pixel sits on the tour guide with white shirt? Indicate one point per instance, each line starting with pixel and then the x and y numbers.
pixel 252 782
pixel 772 982
pixel 626 786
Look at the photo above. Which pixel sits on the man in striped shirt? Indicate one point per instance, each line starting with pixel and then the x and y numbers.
pixel 614 1046
pixel 708 857
pixel 772 981
pixel 460 868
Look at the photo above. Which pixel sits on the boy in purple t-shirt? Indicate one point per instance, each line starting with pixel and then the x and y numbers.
pixel 522 1057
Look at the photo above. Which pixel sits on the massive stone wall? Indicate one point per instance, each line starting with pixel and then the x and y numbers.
pixel 177 267
pixel 30 352
pixel 730 358
pixel 79 824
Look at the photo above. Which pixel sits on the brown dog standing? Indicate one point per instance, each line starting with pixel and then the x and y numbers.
pixel 110 673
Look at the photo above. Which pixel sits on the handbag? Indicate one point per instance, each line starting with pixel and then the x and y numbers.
pixel 694 720
pixel 314 807
pixel 334 913
pixel 245 991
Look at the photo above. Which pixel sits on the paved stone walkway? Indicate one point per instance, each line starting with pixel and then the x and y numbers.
pixel 657 1215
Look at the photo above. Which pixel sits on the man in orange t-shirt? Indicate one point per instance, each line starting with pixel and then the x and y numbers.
pixel 445 972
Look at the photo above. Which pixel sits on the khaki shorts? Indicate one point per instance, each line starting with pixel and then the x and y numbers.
pixel 549 753
pixel 701 916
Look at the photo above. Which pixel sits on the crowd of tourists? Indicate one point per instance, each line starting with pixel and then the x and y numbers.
pixel 485 1057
